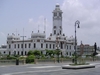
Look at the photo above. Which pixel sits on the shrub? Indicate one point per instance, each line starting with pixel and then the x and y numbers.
pixel 10 57
pixel 30 59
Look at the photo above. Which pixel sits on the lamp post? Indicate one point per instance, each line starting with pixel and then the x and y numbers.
pixel 57 47
pixel 23 42
pixel 76 23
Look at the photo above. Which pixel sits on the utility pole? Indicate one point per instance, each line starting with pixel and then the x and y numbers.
pixel 23 41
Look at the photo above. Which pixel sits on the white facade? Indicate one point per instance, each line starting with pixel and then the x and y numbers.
pixel 38 41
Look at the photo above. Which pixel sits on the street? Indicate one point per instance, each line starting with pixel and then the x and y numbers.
pixel 47 69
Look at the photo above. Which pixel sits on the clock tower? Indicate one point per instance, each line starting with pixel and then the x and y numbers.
pixel 57 21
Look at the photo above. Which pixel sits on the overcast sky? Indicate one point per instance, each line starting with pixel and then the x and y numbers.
pixel 29 14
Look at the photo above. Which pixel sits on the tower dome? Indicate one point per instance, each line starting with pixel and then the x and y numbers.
pixel 37 35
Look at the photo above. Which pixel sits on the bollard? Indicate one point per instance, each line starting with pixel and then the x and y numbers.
pixel 17 61
pixel 73 60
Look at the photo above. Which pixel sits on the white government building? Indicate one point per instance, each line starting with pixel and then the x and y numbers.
pixel 38 41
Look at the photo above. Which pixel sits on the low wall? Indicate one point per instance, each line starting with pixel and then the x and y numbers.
pixel 52 60
pixel 63 60
pixel 11 62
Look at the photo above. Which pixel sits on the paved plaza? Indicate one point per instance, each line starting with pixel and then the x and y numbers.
pixel 47 69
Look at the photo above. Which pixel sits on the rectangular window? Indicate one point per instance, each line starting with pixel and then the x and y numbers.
pixel 15 46
pixel 60 31
pixel 29 45
pixel 21 45
pixel 18 45
pixel 9 46
pixel 38 40
pixel 70 47
pixel 41 45
pixel 53 46
pixel 25 45
pixel 34 45
pixel 46 45
pixel 50 45
pixel 67 46
pixel 70 53
pixel 54 31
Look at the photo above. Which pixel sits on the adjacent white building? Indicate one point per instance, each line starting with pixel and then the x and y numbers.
pixel 38 41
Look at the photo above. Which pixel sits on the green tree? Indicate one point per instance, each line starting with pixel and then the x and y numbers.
pixel 58 52
pixel 0 54
pixel 30 53
pixel 37 53
pixel 30 59
pixel 50 53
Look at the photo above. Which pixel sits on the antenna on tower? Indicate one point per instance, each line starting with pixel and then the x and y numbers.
pixel 16 32
pixel 23 31
pixel 38 28
pixel 44 25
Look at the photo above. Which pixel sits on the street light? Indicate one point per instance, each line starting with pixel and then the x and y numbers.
pixel 57 47
pixel 76 23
